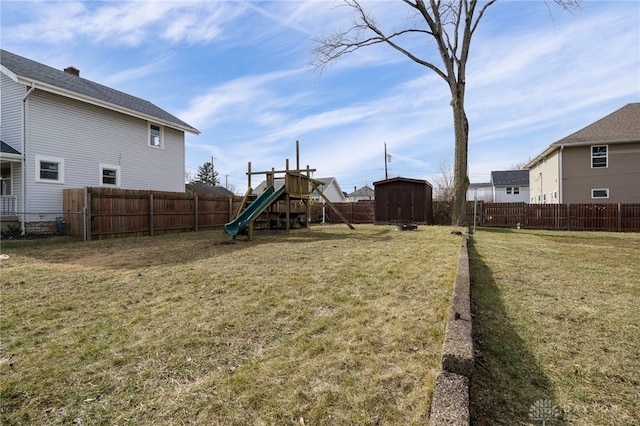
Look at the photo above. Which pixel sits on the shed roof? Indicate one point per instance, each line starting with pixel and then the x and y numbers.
pixel 401 179
pixel 46 78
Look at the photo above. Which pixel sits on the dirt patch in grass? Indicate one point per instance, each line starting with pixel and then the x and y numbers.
pixel 331 326
pixel 556 320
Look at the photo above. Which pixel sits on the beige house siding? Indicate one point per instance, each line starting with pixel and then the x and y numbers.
pixel 621 177
pixel 544 178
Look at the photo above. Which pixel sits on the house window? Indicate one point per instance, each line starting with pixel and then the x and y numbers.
pixel 155 136
pixel 49 169
pixel 509 190
pixel 109 175
pixel 544 197
pixel 600 193
pixel 516 190
pixel 599 156
pixel 5 179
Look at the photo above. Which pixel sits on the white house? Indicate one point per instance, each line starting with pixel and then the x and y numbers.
pixel 508 186
pixel 59 130
pixel 363 194
pixel 480 192
pixel 329 187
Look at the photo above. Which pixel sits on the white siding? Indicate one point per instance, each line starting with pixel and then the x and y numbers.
pixel 11 94
pixel 86 136
pixel 501 196
pixel 544 180
pixel 11 112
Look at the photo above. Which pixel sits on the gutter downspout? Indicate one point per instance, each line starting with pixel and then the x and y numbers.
pixel 23 202
pixel 560 183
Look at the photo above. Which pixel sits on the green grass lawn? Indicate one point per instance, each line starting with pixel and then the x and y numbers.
pixel 331 326
pixel 557 319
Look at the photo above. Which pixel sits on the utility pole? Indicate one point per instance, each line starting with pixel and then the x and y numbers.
pixel 386 158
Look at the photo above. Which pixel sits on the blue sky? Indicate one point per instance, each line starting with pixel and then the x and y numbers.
pixel 240 72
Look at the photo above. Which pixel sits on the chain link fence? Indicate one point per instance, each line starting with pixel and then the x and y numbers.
pixel 31 226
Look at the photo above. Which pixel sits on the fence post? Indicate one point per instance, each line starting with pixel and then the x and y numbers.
pixel 195 208
pixel 151 215
pixel 87 208
pixel 619 218
pixel 568 217
pixel 84 224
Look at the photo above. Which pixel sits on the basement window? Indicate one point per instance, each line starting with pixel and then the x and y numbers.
pixel 109 175
pixel 600 193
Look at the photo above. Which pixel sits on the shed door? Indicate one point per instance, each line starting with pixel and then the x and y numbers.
pixel 400 206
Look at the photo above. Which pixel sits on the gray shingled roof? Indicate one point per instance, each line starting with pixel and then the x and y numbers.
pixel 619 126
pixel 365 191
pixel 7 149
pixel 32 71
pixel 510 177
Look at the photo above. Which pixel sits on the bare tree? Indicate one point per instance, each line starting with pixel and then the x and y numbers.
pixel 443 181
pixel 451 25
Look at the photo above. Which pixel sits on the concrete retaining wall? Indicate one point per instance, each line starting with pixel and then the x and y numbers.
pixel 450 401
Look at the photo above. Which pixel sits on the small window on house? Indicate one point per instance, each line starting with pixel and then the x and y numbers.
pixel 555 194
pixel 544 198
pixel 509 190
pixel 516 190
pixel 5 179
pixel 155 136
pixel 109 175
pixel 49 169
pixel 533 199
pixel 599 156
pixel 600 193
pixel 538 198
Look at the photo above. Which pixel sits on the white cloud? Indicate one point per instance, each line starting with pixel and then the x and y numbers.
pixel 128 23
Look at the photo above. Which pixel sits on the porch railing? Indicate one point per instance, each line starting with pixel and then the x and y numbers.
pixel 8 205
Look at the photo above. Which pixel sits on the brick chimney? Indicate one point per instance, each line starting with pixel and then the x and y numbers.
pixel 72 70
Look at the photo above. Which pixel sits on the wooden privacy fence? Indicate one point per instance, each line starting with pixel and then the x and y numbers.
pixel 113 212
pixel 359 212
pixel 119 212
pixel 575 217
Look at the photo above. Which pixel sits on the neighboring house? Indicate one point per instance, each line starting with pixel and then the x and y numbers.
pixel 480 192
pixel 330 188
pixel 60 131
pixel 363 194
pixel 508 186
pixel 599 163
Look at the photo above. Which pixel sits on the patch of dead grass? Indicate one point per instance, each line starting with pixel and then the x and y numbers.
pixel 332 326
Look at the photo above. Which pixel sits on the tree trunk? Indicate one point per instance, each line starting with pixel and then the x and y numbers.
pixel 460 178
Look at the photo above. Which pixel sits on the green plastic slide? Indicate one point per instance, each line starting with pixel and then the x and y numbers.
pixel 239 224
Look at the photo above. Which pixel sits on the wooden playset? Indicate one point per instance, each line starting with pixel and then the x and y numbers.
pixel 285 203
